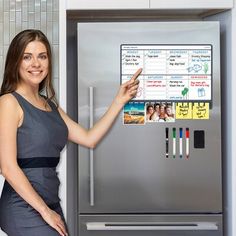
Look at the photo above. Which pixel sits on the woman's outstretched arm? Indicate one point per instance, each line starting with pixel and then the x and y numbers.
pixel 91 137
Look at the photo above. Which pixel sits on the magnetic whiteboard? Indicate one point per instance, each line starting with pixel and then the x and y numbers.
pixel 170 72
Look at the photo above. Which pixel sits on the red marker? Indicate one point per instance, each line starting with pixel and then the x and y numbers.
pixel 187 142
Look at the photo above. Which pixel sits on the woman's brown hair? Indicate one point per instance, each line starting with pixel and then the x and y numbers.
pixel 13 60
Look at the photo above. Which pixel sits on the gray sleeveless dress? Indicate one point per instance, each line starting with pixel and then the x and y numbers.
pixel 40 138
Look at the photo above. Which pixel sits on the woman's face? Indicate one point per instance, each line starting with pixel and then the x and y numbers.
pixel 168 111
pixel 157 108
pixel 162 109
pixel 34 64
pixel 150 110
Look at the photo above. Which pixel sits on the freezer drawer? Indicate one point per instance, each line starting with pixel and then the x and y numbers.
pixel 149 225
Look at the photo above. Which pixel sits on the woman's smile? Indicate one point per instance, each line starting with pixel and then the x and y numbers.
pixel 35 72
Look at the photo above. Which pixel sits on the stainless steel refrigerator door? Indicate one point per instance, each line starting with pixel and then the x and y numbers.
pixel 164 225
pixel 131 172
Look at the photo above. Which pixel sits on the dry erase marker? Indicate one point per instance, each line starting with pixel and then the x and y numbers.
pixel 174 141
pixel 187 142
pixel 180 142
pixel 167 142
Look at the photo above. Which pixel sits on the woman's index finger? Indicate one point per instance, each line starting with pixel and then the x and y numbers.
pixel 136 74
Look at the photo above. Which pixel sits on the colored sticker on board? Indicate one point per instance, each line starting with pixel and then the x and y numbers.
pixel 183 110
pixel 200 111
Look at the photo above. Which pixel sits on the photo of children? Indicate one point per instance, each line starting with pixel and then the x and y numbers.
pixel 134 113
pixel 159 112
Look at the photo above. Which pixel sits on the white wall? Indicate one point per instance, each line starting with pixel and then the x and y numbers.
pixel 233 123
pixel 62 100
pixel 1 184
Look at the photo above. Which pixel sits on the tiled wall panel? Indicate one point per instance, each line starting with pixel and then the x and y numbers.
pixel 17 15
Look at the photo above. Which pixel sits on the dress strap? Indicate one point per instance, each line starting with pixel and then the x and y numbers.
pixel 22 102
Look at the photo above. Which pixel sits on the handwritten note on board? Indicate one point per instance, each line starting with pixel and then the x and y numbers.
pixel 183 110
pixel 201 111
pixel 195 111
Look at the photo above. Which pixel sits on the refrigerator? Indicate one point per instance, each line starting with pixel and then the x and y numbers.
pixel 151 178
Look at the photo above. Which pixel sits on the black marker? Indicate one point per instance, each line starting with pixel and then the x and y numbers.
pixel 167 142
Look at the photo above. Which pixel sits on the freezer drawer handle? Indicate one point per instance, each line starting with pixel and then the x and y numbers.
pixel 152 226
pixel 91 164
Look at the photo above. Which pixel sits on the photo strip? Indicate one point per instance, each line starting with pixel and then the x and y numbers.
pixel 159 112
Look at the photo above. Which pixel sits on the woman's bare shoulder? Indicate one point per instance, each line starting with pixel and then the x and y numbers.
pixel 8 102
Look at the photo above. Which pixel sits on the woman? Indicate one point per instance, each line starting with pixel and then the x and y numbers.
pixel 170 115
pixel 156 113
pixel 162 114
pixel 149 112
pixel 33 131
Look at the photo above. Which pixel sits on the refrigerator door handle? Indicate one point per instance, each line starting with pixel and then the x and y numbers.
pixel 152 226
pixel 91 163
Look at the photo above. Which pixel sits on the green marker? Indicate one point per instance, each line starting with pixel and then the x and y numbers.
pixel 174 141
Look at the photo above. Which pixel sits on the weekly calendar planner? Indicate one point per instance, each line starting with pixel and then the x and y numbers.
pixel 170 72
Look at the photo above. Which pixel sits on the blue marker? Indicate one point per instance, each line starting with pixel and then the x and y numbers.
pixel 180 142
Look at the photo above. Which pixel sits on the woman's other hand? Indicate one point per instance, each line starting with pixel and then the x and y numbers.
pixel 129 89
pixel 55 221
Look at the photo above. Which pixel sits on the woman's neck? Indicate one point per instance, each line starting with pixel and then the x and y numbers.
pixel 29 92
